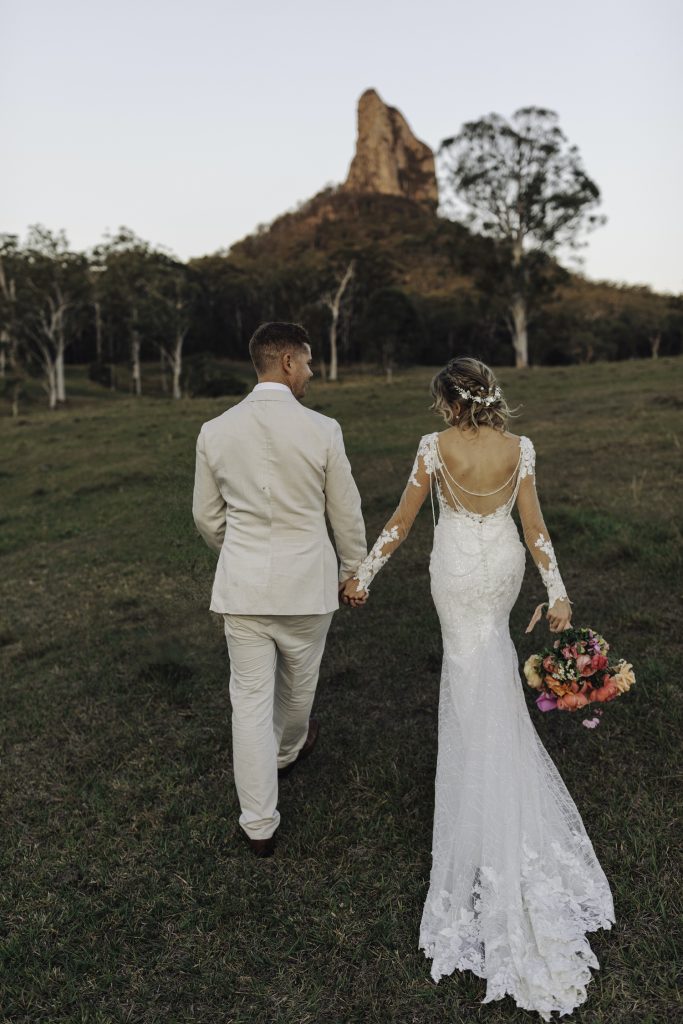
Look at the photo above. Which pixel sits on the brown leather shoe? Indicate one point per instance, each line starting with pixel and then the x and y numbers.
pixel 261 847
pixel 309 743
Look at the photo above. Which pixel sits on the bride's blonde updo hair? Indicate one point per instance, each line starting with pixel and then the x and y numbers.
pixel 473 386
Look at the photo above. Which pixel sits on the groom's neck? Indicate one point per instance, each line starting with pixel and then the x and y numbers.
pixel 273 379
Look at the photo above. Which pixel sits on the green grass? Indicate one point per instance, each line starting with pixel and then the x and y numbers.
pixel 126 892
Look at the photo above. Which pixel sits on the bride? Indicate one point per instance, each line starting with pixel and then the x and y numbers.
pixel 515 883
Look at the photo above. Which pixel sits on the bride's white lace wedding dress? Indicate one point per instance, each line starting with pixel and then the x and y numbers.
pixel 515 882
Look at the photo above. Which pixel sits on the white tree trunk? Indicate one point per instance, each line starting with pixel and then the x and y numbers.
pixel 655 342
pixel 177 363
pixel 51 383
pixel 519 331
pixel 136 373
pixel 334 304
pixel 177 393
pixel 334 368
pixel 46 339
pixel 59 372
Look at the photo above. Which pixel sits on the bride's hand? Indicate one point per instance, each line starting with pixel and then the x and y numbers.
pixel 559 616
pixel 353 594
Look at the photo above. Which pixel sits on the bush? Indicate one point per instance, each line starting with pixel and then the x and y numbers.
pixel 100 373
pixel 203 377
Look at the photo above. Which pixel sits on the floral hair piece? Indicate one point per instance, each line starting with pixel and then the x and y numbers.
pixel 489 400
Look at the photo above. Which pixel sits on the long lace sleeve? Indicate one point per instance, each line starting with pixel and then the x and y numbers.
pixel 398 527
pixel 536 534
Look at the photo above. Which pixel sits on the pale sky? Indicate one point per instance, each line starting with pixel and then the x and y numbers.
pixel 192 122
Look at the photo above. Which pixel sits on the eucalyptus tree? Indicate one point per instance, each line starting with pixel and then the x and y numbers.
pixel 123 267
pixel 10 266
pixel 174 290
pixel 51 289
pixel 333 301
pixel 393 329
pixel 521 183
pixel 230 307
pixel 12 371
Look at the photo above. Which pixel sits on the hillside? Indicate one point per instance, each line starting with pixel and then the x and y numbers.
pixel 431 266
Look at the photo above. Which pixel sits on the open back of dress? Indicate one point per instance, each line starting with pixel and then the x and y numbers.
pixel 453 491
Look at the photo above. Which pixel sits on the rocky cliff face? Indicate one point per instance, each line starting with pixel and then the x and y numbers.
pixel 389 159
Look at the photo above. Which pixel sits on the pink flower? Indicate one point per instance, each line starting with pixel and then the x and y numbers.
pixel 598 662
pixel 569 652
pixel 549 663
pixel 546 703
pixel 584 665
pixel 591 723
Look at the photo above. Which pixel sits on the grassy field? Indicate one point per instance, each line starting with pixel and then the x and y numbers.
pixel 126 893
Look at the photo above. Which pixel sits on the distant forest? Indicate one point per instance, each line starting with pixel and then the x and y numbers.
pixel 375 279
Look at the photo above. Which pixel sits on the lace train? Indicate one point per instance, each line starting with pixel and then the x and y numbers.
pixel 534 949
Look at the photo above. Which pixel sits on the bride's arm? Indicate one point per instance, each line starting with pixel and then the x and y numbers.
pixel 538 541
pixel 396 529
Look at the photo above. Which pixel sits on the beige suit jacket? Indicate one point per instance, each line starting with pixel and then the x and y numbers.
pixel 267 472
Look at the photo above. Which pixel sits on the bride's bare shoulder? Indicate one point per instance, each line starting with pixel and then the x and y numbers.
pixel 521 440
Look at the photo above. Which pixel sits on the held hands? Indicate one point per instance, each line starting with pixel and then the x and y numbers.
pixel 352 594
pixel 559 616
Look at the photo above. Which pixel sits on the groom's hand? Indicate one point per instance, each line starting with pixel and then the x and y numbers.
pixel 351 593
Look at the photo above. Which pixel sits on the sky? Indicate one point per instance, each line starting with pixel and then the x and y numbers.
pixel 192 123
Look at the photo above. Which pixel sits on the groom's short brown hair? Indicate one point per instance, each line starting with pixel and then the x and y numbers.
pixel 270 340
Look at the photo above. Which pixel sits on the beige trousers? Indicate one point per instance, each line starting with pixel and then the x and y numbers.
pixel 274 665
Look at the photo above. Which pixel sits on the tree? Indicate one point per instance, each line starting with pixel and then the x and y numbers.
pixel 124 266
pixel 523 185
pixel 333 301
pixel 51 290
pixel 392 329
pixel 315 317
pixel 10 262
pixel 174 289
pixel 229 310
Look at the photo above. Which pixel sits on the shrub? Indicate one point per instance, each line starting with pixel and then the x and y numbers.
pixel 100 373
pixel 205 378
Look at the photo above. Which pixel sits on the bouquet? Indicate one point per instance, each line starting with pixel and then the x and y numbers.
pixel 576 672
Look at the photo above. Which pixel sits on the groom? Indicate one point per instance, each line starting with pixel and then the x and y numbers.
pixel 268 471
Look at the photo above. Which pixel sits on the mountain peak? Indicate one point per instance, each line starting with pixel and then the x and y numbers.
pixel 389 159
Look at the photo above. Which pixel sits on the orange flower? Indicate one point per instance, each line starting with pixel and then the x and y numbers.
pixel 606 692
pixel 556 686
pixel 572 701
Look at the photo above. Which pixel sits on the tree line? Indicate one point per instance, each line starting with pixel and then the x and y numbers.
pixel 375 279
